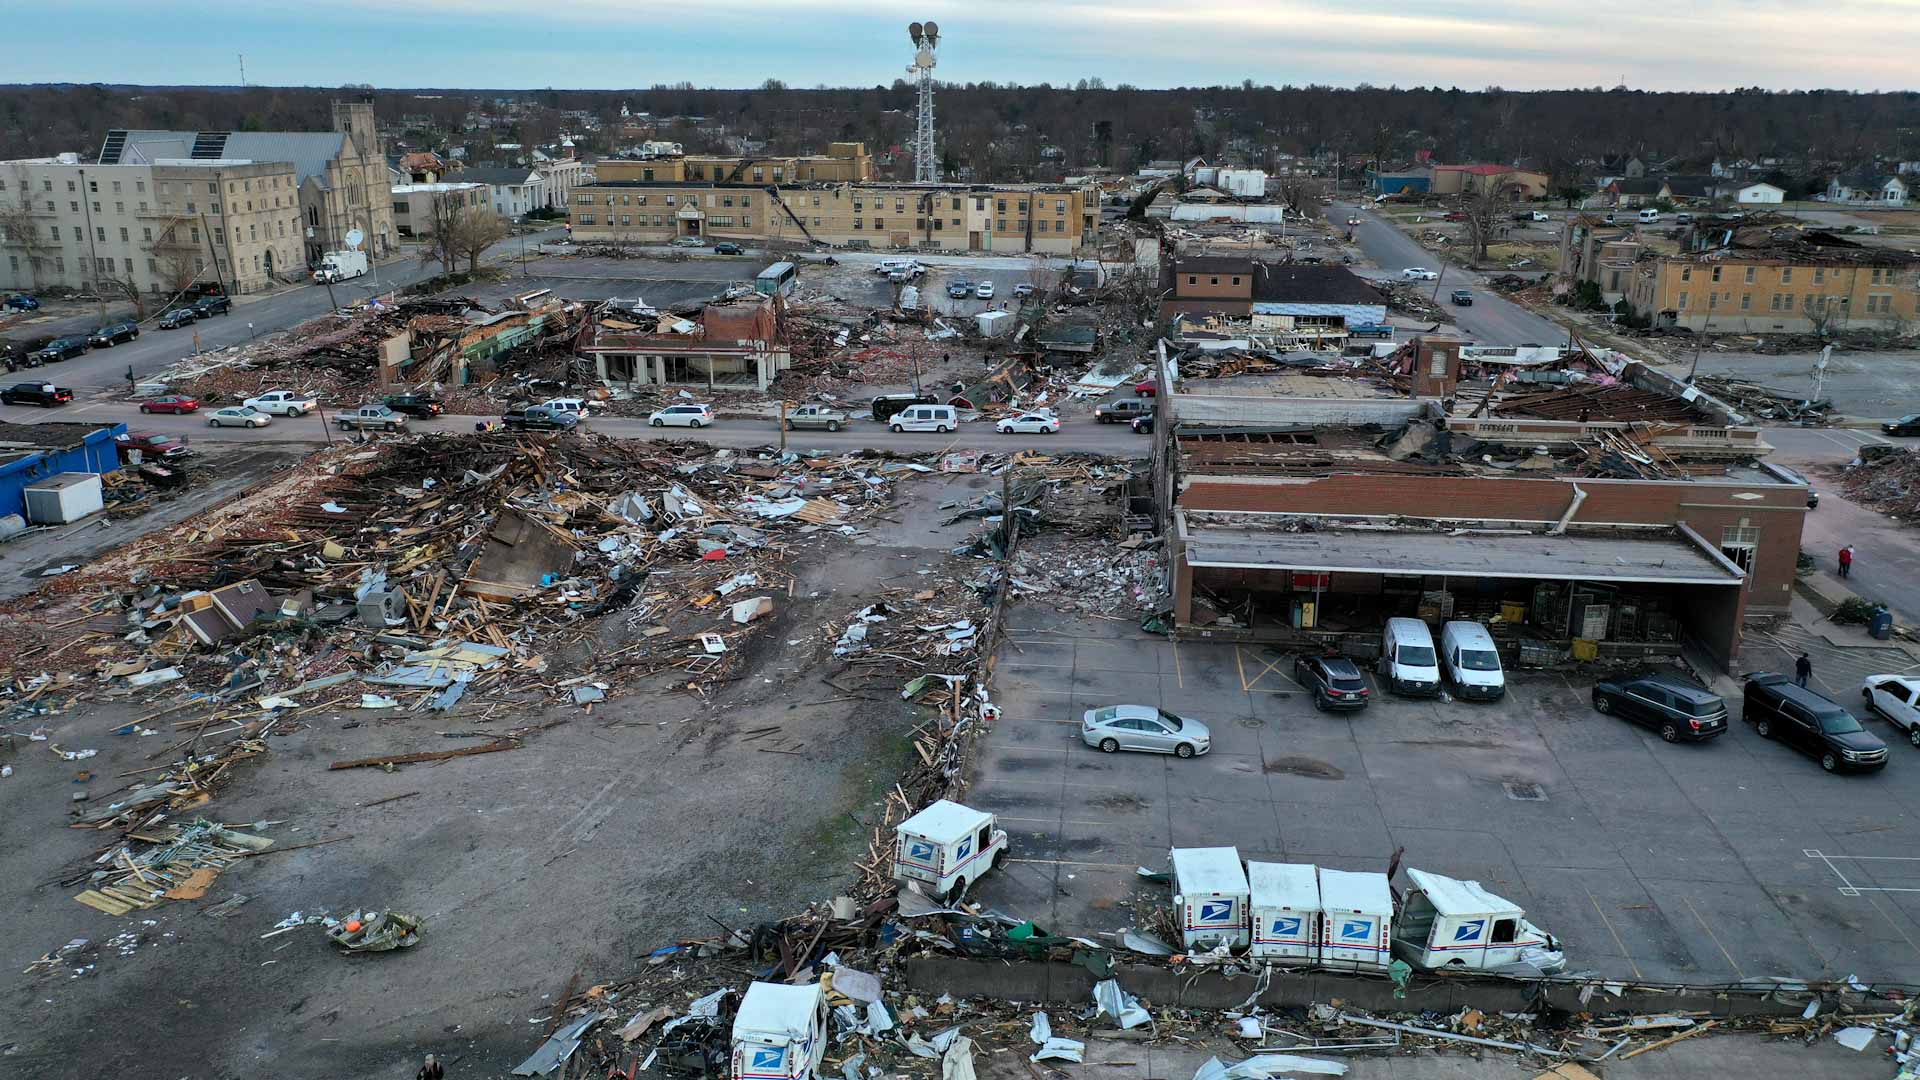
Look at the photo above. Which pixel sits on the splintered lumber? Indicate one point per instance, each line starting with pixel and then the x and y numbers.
pixel 1670 1040
pixel 437 755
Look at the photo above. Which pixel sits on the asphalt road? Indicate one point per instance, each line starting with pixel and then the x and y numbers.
pixel 1491 320
pixel 1077 434
pixel 252 316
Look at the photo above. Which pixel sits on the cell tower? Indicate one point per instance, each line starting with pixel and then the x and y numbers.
pixel 926 160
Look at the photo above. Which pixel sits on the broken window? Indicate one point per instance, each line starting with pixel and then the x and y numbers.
pixel 1503 931
pixel 1739 543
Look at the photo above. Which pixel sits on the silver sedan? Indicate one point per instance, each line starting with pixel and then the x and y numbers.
pixel 1143 727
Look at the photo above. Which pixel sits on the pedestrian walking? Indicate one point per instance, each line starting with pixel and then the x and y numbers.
pixel 1846 561
pixel 1802 669
pixel 432 1070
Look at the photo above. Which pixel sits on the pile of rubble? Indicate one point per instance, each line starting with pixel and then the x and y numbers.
pixel 1886 478
pixel 1414 300
pixel 1765 402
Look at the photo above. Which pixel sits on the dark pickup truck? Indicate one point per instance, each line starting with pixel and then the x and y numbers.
pixel 539 419
pixel 417 405
pixel 45 395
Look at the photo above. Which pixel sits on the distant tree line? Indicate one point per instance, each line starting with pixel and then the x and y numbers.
pixel 1000 131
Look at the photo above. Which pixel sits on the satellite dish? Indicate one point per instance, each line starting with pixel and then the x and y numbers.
pixel 932 32
pixel 354 236
pixel 913 31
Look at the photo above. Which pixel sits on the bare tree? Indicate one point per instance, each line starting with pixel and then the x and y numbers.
pixel 443 225
pixel 20 232
pixel 127 287
pixel 176 257
pixel 1483 220
pixel 475 229
pixel 1819 312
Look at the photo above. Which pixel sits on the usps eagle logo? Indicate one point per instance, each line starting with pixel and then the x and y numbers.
pixel 918 850
pixel 1356 930
pixel 1468 932
pixel 1216 911
pixel 768 1057
pixel 1287 925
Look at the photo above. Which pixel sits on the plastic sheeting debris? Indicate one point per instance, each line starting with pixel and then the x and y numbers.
pixel 1061 1050
pixel 1855 1038
pixel 559 1048
pixel 1265 1066
pixel 957 1064
pixel 1110 1000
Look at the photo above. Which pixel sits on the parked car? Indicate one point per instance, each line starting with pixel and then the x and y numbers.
pixel 911 268
pixel 728 248
pixel 1142 727
pixel 1471 661
pixel 1906 425
pixel 45 395
pixel 416 405
pixel 959 289
pixel 1408 659
pixel 1797 477
pixel 108 336
pixel 1810 722
pixel 1663 702
pixel 245 416
pixel 1461 297
pixel 370 417
pixel 1419 273
pixel 60 348
pixel 1041 423
pixel 574 405
pixel 816 416
pixel 22 303
pixel 175 318
pixel 539 418
pixel 1334 682
pixel 153 445
pixel 1683 219
pixel 1141 425
pixel 693 416
pixel 1025 289
pixel 282 403
pixel 1542 215
pixel 1114 412
pixel 1896 697
pixel 171 403
pixel 688 242
pixel 984 290
pixel 208 306
pixel 1454 215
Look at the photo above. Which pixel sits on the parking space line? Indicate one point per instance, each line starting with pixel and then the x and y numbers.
pixel 1848 888
pixel 1267 669
pixel 1179 677
pixel 1711 936
pixel 1027 749
pixel 1061 821
pixel 1608 923
pixel 1242 667
pixel 1050 783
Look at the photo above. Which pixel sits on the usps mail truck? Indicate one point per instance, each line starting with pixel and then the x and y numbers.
pixel 1447 923
pixel 1356 927
pixel 1285 903
pixel 779 1032
pixel 947 847
pixel 1210 897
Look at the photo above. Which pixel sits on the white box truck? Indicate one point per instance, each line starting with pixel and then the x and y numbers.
pixel 779 1032
pixel 340 265
pixel 1210 897
pixel 1446 923
pixel 947 847
pixel 1284 899
pixel 1357 927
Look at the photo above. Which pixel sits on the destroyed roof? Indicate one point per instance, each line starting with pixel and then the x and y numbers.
pixel 1478 170
pixel 1775 239
pixel 308 151
pixel 740 320
pixel 1452 896
pixel 1212 264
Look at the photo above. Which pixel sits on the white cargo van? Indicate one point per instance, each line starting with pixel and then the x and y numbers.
pixel 1285 905
pixel 947 847
pixel 780 1032
pixel 1449 923
pixel 1649 215
pixel 1210 897
pixel 1407 658
pixel 1357 927
pixel 1472 661
pixel 926 418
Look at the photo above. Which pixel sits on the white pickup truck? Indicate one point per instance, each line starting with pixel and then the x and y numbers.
pixel 282 403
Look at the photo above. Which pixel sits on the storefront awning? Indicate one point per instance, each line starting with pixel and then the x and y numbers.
pixel 1660 559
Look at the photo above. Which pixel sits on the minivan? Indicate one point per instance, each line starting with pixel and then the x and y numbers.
pixel 941 418
pixel 1407 659
pixel 1649 215
pixel 1472 661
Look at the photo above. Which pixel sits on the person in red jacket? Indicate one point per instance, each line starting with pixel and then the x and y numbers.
pixel 1846 561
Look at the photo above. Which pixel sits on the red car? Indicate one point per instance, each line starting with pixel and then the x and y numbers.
pixel 1146 388
pixel 172 403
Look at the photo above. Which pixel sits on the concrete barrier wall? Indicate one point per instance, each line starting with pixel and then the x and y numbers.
pixel 1056 983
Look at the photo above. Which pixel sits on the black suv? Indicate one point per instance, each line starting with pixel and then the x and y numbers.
pixel 1668 704
pixel 212 305
pixel 60 348
pixel 727 248
pixel 175 318
pixel 1334 681
pixel 114 334
pixel 1811 723
pixel 886 405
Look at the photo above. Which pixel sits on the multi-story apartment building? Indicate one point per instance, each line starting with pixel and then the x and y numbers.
pixel 1753 276
pixel 341 175
pixel 413 204
pixel 650 201
pixel 155 228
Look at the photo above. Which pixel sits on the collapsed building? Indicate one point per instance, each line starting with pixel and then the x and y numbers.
pixel 1615 516
pixel 739 343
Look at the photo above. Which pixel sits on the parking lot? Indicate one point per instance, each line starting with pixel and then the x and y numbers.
pixel 1736 859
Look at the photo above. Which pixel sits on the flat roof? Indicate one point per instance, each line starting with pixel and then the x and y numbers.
pixel 944 821
pixel 777 1009
pixel 1208 869
pixel 1295 886
pixel 1355 891
pixel 1663 559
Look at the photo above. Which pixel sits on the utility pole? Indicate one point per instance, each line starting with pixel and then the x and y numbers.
pixel 214 254
pixel 86 204
pixel 783 425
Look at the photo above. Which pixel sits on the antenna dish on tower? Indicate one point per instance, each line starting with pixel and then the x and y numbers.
pixel 932 33
pixel 913 31
pixel 353 238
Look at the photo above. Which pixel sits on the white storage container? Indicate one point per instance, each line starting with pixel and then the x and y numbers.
pixel 1210 897
pixel 65 497
pixel 1285 902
